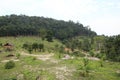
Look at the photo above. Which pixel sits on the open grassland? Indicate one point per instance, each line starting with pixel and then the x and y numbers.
pixel 50 64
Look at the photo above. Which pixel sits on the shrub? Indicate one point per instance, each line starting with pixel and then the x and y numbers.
pixel 78 53
pixel 18 55
pixel 0 44
pixel 25 45
pixel 85 68
pixel 9 65
pixel 92 53
pixel 35 46
pixel 41 47
pixel 30 50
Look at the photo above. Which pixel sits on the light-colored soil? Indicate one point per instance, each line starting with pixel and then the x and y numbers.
pixel 93 58
pixel 10 60
pixel 61 72
pixel 43 57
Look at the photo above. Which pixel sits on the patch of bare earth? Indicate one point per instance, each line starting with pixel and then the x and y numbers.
pixel 93 58
pixel 10 60
pixel 62 72
pixel 43 57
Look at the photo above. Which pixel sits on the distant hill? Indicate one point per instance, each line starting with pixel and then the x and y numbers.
pixel 15 25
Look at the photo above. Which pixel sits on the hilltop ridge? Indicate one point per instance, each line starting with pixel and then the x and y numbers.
pixel 15 25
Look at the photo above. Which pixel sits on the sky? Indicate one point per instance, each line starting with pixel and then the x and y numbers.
pixel 103 16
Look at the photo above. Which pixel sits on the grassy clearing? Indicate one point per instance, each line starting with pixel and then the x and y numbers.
pixel 54 68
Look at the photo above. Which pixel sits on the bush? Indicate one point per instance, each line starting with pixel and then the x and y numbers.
pixel 25 45
pixel 77 53
pixel 18 55
pixel 9 65
pixel 0 44
pixel 30 50
pixel 85 68
pixel 98 55
pixel 92 54
pixel 41 47
pixel 35 46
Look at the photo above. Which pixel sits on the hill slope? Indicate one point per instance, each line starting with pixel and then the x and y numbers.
pixel 14 25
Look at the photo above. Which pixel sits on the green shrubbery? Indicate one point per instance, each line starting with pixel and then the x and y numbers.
pixel 9 65
pixel 18 55
pixel 35 46
pixel 85 68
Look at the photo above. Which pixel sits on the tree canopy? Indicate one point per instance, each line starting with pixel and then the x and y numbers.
pixel 15 25
pixel 112 48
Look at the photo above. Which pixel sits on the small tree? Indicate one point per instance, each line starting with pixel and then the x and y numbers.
pixel 30 50
pixel 0 44
pixel 101 62
pixel 102 58
pixel 92 53
pixel 9 65
pixel 41 46
pixel 86 45
pixel 35 46
pixel 25 46
pixel 42 33
pixel 84 69
pixel 49 36
pixel 61 49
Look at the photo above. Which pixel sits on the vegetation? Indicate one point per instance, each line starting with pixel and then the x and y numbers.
pixel 84 69
pixel 49 49
pixel 18 55
pixel 112 48
pixel 9 65
pixel 15 25
pixel 35 66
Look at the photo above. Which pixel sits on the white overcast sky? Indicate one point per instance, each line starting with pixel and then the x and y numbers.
pixel 103 16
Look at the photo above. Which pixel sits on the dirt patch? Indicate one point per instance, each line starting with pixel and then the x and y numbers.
pixel 43 57
pixel 4 61
pixel 62 73
pixel 93 58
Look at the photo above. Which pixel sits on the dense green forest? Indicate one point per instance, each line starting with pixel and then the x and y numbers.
pixel 13 25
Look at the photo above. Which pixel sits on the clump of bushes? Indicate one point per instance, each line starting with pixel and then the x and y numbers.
pixel 9 65
pixel 35 46
pixel 78 54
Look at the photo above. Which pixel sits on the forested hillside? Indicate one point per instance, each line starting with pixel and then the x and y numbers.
pixel 39 48
pixel 15 25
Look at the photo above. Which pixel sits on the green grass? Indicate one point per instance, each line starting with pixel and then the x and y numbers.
pixel 29 67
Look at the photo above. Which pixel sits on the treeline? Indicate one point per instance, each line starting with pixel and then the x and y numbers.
pixel 15 25
pixel 97 46
pixel 112 48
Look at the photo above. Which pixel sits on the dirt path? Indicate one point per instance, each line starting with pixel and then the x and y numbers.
pixel 93 58
pixel 4 61
pixel 43 57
